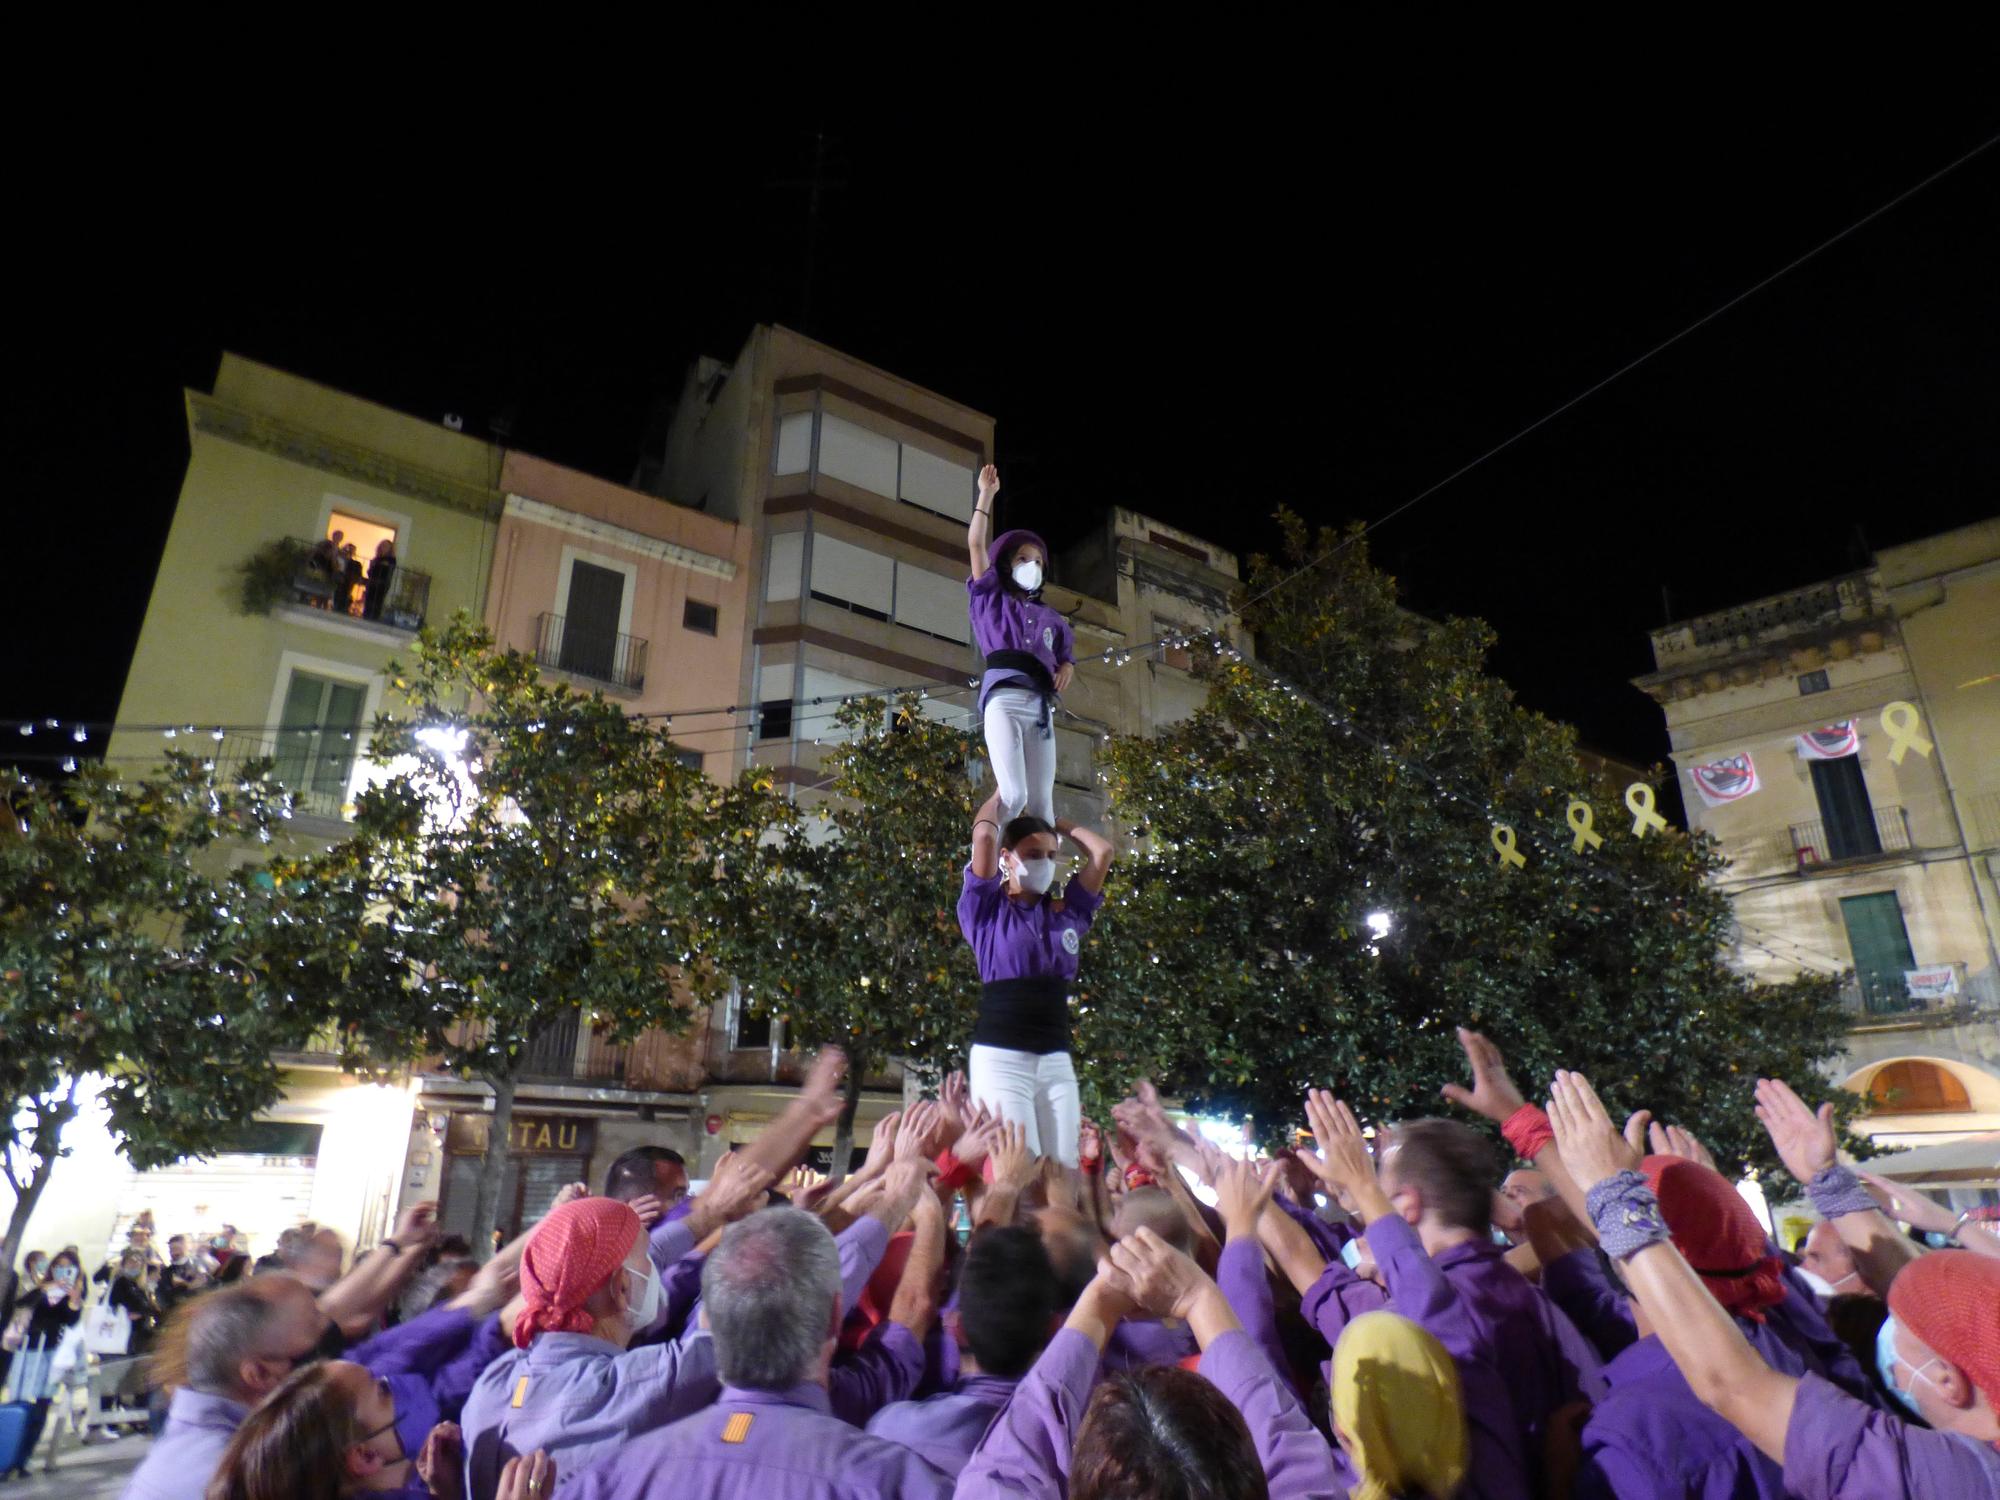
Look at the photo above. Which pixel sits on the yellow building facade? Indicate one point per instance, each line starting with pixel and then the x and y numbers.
pixel 1842 743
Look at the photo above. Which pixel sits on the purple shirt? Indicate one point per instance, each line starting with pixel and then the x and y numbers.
pixel 1024 940
pixel 761 1445
pixel 946 1428
pixel 185 1457
pixel 431 1364
pixel 1652 1436
pixel 581 1398
pixel 884 1370
pixel 1518 1357
pixel 1027 1450
pixel 1138 1342
pixel 1240 1275
pixel 1836 1448
pixel 1004 621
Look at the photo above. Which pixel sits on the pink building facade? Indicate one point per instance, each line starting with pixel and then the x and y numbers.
pixel 628 594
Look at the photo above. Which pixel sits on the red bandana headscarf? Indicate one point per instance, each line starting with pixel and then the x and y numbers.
pixel 1951 1300
pixel 571 1254
pixel 1718 1234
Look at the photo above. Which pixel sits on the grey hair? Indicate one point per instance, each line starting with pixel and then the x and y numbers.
pixel 225 1328
pixel 769 1292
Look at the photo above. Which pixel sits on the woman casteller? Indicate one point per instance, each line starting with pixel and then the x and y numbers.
pixel 1027 942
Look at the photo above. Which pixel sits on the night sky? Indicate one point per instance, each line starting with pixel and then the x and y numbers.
pixel 1202 314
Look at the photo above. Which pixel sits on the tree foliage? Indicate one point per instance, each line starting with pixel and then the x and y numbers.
pixel 843 919
pixel 130 967
pixel 1237 956
pixel 533 851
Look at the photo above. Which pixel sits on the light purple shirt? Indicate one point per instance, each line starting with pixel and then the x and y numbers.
pixel 1004 621
pixel 761 1445
pixel 1024 940
pixel 1519 1358
pixel 1836 1448
pixel 185 1457
pixel 583 1400
pixel 1027 1450
pixel 945 1428
pixel 1138 1342
pixel 431 1364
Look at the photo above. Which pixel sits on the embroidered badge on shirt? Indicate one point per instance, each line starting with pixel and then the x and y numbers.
pixel 1069 940
pixel 520 1392
pixel 737 1428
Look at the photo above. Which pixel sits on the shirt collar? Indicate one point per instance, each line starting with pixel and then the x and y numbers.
pixel 805 1393
pixel 1469 1250
pixel 555 1348
pixel 192 1408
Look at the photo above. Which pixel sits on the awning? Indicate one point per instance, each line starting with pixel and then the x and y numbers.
pixel 1975 1159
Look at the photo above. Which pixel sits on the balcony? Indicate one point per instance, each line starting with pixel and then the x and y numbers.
pixel 600 656
pixel 1818 846
pixel 1884 1000
pixel 567 1051
pixel 316 770
pixel 290 572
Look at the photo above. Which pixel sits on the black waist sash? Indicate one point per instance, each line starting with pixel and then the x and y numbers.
pixel 1024 1015
pixel 1029 666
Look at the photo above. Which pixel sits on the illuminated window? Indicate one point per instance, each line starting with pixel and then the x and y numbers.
pixel 357 540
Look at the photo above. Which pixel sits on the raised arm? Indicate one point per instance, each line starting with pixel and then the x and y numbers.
pixel 986 838
pixel 1720 1366
pixel 1097 853
pixel 979 535
pixel 818 1105
pixel 1805 1143
pixel 378 1278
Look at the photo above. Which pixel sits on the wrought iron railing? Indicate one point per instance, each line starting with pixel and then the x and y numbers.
pixel 1818 844
pixel 315 769
pixel 1887 997
pixel 600 655
pixel 400 600
pixel 561 1050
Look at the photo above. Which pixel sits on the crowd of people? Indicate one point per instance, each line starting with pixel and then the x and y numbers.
pixel 350 586
pixel 1391 1316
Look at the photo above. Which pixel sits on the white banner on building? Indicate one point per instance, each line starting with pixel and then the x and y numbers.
pixel 1726 781
pixel 1833 742
pixel 1931 984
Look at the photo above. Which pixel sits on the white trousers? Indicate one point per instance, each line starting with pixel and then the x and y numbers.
pixel 1035 1090
pixel 1024 763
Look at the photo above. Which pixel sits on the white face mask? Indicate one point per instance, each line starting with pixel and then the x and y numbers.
pixel 645 1307
pixel 1035 875
pixel 1028 575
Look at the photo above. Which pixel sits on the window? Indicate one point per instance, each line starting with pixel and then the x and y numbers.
pixel 781 577
pixel 937 484
pixel 1173 656
pixel 1844 809
pixel 795 439
pixel 689 758
pixel 845 574
pixel 932 602
pixel 360 541
pixel 1914 1087
pixel 753 1031
pixel 319 735
pixel 698 617
pixel 774 719
pixel 589 645
pixel 1812 682
pixel 851 453
pixel 1880 944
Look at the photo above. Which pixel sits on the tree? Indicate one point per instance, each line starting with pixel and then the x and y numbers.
pixel 843 919
pixel 532 852
pixel 129 968
pixel 1237 953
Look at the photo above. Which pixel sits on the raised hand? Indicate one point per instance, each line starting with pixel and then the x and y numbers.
pixel 1163 1280
pixel 1089 1143
pixel 569 1192
pixel 492 1286
pixel 977 1143
pixel 882 1144
pixel 1344 1162
pixel 1636 1125
pixel 989 484
pixel 1493 1093
pixel 956 1099
pixel 1804 1139
pixel 1671 1140
pixel 1242 1193
pixel 1591 1147
pixel 822 1091
pixel 736 1187
pixel 417 1225
pixel 1918 1210
pixel 1014 1165
pixel 914 1136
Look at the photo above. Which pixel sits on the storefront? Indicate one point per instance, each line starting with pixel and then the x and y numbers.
pixel 544 1152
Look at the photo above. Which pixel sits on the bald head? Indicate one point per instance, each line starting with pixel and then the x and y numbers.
pixel 1154 1209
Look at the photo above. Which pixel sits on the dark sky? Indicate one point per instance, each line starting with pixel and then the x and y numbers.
pixel 1201 314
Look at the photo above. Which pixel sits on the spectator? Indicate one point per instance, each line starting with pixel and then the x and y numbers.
pixel 347 583
pixel 381 572
pixel 55 1304
pixel 129 1293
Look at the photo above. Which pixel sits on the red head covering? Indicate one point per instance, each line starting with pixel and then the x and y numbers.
pixel 1951 1300
pixel 1718 1234
pixel 571 1253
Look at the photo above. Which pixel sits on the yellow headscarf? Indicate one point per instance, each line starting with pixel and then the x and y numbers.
pixel 1395 1395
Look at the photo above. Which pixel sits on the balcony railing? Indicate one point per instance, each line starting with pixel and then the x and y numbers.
pixel 400 602
pixel 600 655
pixel 1886 998
pixel 1817 845
pixel 554 1054
pixel 315 769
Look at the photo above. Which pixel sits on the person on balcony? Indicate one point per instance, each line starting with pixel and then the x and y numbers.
pixel 381 572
